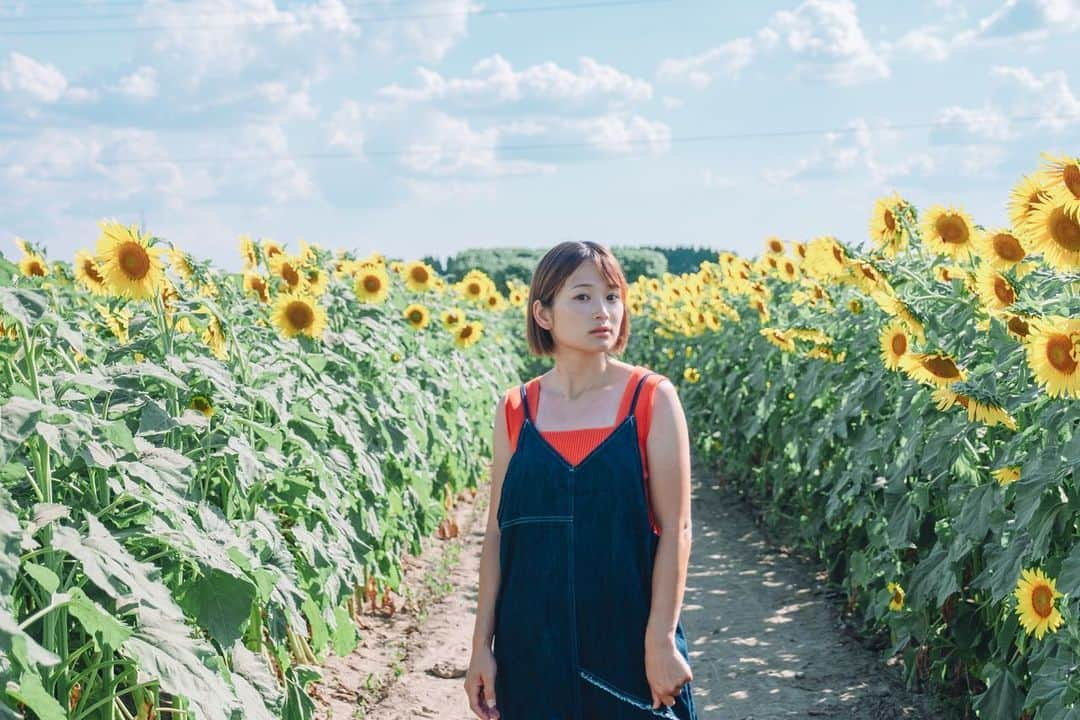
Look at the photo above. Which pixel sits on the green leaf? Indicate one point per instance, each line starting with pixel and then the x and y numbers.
pixel 221 603
pixel 1069 578
pixel 344 638
pixel 32 693
pixel 153 420
pixel 26 306
pixel 44 577
pixel 96 620
pixel 320 635
pixel 1002 698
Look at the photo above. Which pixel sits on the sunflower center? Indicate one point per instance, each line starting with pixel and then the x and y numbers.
pixel 941 367
pixel 1003 291
pixel 420 275
pixel 1008 247
pixel 890 221
pixel 474 288
pixel 300 315
pixel 897 598
pixel 372 284
pixel 200 403
pixel 899 343
pixel 1065 230
pixel 134 260
pixel 313 276
pixel 415 317
pixel 289 275
pixel 37 269
pixel 90 268
pixel 466 332
pixel 1059 354
pixel 1042 601
pixel 1018 326
pixel 1071 176
pixel 952 229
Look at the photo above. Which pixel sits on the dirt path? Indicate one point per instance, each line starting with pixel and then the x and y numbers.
pixel 766 639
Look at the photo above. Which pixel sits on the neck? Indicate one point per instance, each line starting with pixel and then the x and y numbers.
pixel 575 375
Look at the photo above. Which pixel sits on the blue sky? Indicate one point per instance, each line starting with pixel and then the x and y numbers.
pixel 419 127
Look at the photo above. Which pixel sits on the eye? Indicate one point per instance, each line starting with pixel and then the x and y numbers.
pixel 580 296
pixel 614 295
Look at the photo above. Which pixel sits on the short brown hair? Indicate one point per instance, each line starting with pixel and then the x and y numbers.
pixel 551 273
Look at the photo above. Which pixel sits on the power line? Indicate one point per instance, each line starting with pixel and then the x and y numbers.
pixel 422 150
pixel 366 19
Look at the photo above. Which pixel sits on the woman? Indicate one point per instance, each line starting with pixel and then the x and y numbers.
pixel 588 533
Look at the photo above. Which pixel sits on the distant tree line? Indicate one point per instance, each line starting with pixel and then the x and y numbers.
pixel 503 264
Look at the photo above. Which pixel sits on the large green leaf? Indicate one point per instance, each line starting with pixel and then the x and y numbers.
pixel 32 693
pixel 221 603
pixel 96 620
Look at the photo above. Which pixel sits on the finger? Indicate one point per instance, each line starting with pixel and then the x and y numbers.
pixel 655 699
pixel 669 700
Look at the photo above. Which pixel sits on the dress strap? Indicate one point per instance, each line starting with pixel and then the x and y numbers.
pixel 637 390
pixel 525 402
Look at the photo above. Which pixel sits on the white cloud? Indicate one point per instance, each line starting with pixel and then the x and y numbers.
pixel 242 32
pixel 923 43
pixel 494 81
pixel 828 42
pixel 617 134
pixel 1049 95
pixel 698 70
pixel 855 154
pixel 346 127
pixel 986 122
pixel 823 39
pixel 435 27
pixel 448 146
pixel 1024 19
pixel 40 82
pixel 141 84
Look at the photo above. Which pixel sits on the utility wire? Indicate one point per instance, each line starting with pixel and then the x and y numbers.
pixel 422 150
pixel 535 9
pixel 174 10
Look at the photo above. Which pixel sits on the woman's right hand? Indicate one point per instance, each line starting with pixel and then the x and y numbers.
pixel 480 684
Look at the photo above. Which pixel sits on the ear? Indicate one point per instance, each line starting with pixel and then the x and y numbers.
pixel 542 315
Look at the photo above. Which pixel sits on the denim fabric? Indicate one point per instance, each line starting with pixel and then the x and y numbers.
pixel 575 585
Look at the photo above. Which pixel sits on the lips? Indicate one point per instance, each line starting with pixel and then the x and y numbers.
pixel 600 331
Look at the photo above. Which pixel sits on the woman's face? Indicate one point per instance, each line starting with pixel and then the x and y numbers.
pixel 584 302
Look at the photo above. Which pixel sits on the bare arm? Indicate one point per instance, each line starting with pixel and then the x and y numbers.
pixel 668 453
pixel 484 629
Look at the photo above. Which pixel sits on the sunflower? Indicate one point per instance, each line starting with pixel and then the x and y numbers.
pixel 181 263
pixel 1062 176
pixel 131 266
pixel 371 284
pixel 255 284
pixel 201 403
pixel 1035 594
pixel 298 314
pixel 788 271
pixel 116 322
pixel 475 286
pixel 214 336
pixel 248 252
pixel 495 301
pixel 691 375
pixel 290 275
pixel 1054 230
pixel 986 412
pixel 778 338
pixel 317 280
pixel 774 245
pixel 1006 475
pixel 419 276
pixel 896 596
pixel 886 232
pixel 23 246
pixel 417 315
pixel 452 318
pixel 307 252
pixel 994 289
pixel 1001 248
pixel 88 273
pixel 33 265
pixel 271 250
pixel 468 334
pixel 826 258
pixel 948 231
pixel 1053 355
pixel 1017 326
pixel 1025 198
pixel 895 344
pixel 935 368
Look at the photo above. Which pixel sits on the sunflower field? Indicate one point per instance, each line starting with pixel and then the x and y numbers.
pixel 206 476
pixel 911 416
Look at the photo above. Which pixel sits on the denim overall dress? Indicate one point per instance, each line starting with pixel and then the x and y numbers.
pixel 576 559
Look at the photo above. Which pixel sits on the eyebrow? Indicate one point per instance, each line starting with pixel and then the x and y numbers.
pixel 590 285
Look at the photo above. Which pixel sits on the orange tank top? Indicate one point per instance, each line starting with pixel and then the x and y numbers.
pixel 576 444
